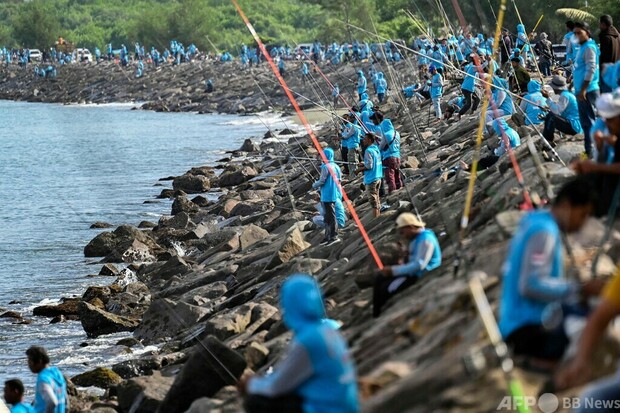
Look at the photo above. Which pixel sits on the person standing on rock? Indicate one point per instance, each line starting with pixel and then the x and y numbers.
pixel 14 395
pixel 469 88
pixel 390 150
pixel 424 256
pixel 317 373
pixel 281 67
pixel 51 388
pixel 436 90
pixel 362 84
pixel 536 298
pixel 373 171
pixel 351 137
pixel 329 183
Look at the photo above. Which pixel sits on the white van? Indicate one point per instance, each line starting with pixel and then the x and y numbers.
pixel 83 55
pixel 35 55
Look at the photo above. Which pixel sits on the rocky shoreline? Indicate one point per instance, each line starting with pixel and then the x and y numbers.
pixel 203 283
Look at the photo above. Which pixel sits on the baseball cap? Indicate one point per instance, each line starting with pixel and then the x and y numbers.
pixel 407 219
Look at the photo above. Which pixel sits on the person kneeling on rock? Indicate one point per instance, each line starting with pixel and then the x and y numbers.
pixel 318 373
pixel 424 256
pixel 505 133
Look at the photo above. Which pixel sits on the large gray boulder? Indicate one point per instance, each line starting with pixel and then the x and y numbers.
pixel 191 184
pixel 97 322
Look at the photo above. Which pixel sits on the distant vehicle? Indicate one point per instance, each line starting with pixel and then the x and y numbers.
pixel 36 55
pixel 303 50
pixel 559 50
pixel 84 55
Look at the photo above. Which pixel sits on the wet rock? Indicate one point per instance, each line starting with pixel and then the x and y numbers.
pixel 249 146
pixel 182 204
pixel 97 322
pixel 171 193
pixel 131 251
pixel 166 317
pixel 128 342
pixel 101 225
pixel 143 394
pixel 101 377
pixel 109 270
pixel 146 224
pixel 210 367
pixel 134 368
pixel 105 243
pixel 237 177
pixel 191 184
pixel 66 308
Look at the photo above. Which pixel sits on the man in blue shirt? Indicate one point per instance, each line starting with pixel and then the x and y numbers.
pixel 586 80
pixel 14 395
pixel 563 113
pixel 373 171
pixel 424 256
pixel 51 388
pixel 535 295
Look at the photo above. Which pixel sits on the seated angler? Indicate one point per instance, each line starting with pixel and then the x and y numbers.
pixel 563 114
pixel 505 133
pixel 532 107
pixel 424 256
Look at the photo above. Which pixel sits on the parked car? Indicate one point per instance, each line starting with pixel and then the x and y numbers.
pixel 84 55
pixel 559 50
pixel 36 55
pixel 303 50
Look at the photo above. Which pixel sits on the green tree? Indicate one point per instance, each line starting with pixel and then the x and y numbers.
pixel 36 25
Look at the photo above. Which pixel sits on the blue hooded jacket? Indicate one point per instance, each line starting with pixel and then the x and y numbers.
pixel 376 172
pixel 534 110
pixel 53 377
pixel 507 106
pixel 22 408
pixel 611 75
pixel 329 189
pixel 381 83
pixel 332 388
pixel 516 309
pixel 361 82
pixel 571 113
pixel 469 83
pixel 500 125
pixel 522 39
pixel 393 140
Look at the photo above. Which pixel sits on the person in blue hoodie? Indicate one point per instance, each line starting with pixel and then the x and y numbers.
pixel 51 388
pixel 372 168
pixel 381 87
pixel 389 146
pixel 506 135
pixel 436 89
pixel 14 395
pixel 532 106
pixel 317 375
pixel 329 182
pixel 534 287
pixel 281 67
pixel 501 103
pixel 468 87
pixel 351 138
pixel 564 114
pixel 586 80
pixel 424 256
pixel 362 85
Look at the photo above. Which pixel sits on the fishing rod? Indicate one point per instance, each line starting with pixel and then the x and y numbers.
pixel 527 39
pixel 542 138
pixel 313 137
pixel 482 81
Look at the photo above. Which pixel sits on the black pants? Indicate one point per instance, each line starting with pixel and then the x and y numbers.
pixel 467 102
pixel 536 341
pixel 330 220
pixel 381 293
pixel 261 404
pixel 553 123
pixel 344 154
pixel 487 162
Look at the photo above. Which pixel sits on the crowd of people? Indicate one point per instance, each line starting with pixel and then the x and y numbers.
pixel 528 87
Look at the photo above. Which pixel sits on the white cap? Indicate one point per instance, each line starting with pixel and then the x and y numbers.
pixel 407 219
pixel 608 104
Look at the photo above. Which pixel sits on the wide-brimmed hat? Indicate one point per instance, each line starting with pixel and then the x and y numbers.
pixel 558 82
pixel 407 219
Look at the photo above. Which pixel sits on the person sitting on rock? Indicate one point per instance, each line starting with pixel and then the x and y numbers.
pixel 329 182
pixel 341 216
pixel 424 256
pixel 505 133
pixel 373 171
pixel 564 114
pixel 501 103
pixel 454 106
pixel 579 370
pixel 51 388
pixel 532 107
pixel 14 395
pixel 317 374
pixel 536 298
